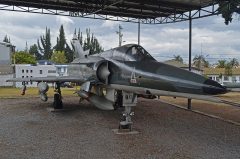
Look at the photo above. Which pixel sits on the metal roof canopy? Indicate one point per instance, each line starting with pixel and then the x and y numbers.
pixel 145 11
pixel 136 11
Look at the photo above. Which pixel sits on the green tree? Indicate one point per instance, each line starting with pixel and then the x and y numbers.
pixel 87 40
pixel 199 61
pixel 96 48
pixel 228 65
pixel 45 48
pixel 34 51
pixel 234 63
pixel 80 36
pixel 69 53
pixel 178 58
pixel 61 40
pixel 228 69
pixel 227 8
pixel 221 63
pixel 59 57
pixel 91 43
pixel 22 57
pixel 7 39
pixel 62 45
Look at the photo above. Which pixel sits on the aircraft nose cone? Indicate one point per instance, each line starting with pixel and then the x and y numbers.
pixel 213 87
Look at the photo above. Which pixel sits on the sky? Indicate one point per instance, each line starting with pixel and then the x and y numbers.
pixel 211 37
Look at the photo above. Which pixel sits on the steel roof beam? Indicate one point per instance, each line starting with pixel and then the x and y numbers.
pixel 149 12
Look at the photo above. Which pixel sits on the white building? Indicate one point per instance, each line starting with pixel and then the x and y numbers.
pixel 219 75
pixel 6 70
pixel 28 71
pixel 183 66
pixel 6 50
pixel 44 68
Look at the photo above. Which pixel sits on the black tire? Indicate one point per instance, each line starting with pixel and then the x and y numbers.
pixel 125 127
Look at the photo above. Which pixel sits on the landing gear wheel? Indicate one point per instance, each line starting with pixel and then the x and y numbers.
pixel 125 123
pixel 57 104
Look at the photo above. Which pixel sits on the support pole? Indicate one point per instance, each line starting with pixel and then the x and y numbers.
pixel 120 35
pixel 190 53
pixel 139 31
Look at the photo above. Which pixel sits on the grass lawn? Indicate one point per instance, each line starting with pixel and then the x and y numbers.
pixel 218 109
pixel 9 92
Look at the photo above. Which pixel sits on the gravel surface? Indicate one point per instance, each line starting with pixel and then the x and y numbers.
pixel 29 130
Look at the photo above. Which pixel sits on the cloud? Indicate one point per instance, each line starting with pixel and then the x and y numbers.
pixel 64 20
pixel 67 23
pixel 110 24
pixel 163 41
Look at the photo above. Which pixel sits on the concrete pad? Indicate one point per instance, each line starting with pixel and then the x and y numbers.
pixel 125 132
pixel 55 110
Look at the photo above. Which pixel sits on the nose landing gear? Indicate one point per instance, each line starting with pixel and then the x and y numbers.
pixel 126 123
pixel 129 100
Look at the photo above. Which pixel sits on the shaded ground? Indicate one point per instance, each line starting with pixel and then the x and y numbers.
pixel 28 130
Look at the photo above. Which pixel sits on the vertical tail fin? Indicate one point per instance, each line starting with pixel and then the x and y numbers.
pixel 79 53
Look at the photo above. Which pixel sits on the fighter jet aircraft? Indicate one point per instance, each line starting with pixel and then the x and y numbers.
pixel 117 76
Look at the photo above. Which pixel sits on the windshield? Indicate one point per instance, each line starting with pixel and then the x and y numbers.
pixel 139 53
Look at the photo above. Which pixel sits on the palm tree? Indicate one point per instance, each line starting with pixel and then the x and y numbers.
pixel 178 58
pixel 199 61
pixel 221 63
pixel 228 69
pixel 228 65
pixel 234 62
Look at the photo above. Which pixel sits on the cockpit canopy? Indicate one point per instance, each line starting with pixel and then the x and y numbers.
pixel 129 52
pixel 138 53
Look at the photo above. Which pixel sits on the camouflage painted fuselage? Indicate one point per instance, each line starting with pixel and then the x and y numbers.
pixel 160 76
pixel 133 66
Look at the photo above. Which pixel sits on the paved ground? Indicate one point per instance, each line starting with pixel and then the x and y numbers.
pixel 28 130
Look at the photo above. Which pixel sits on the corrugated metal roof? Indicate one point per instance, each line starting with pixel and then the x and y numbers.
pixel 178 64
pixel 218 71
pixel 175 63
pixel 141 9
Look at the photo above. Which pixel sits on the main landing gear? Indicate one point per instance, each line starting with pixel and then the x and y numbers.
pixel 57 103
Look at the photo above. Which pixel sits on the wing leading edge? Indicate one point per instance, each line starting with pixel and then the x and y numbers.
pixel 49 79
